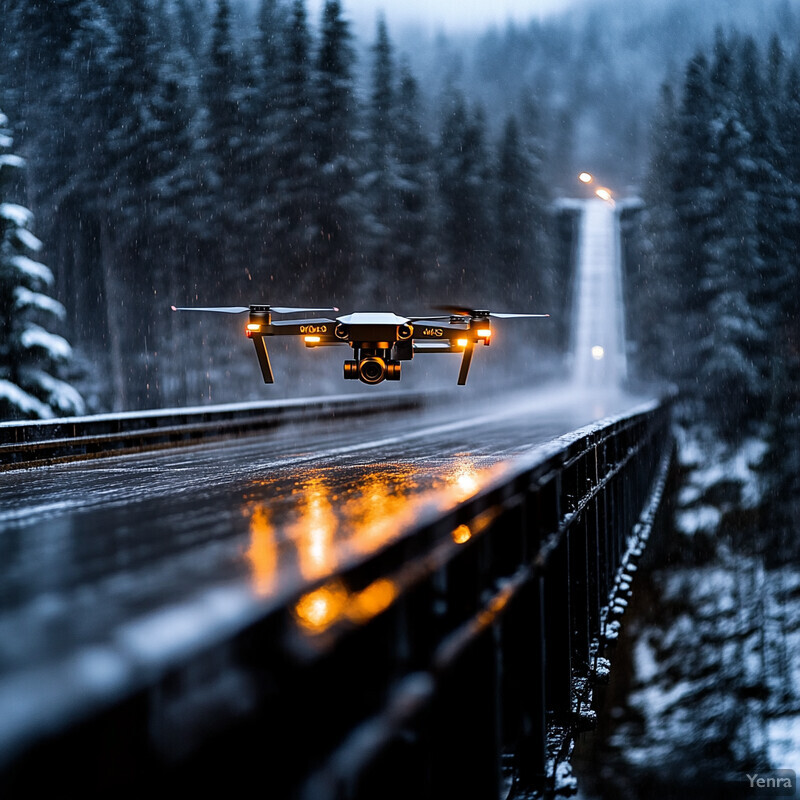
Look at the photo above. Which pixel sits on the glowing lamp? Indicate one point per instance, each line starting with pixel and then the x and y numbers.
pixel 484 333
pixel 312 339
pixel 253 326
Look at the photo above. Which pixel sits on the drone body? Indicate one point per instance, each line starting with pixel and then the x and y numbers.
pixel 380 341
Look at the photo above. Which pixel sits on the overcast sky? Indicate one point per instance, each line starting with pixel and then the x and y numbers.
pixel 450 15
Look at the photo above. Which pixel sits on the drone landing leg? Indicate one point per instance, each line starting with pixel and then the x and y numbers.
pixel 466 360
pixel 263 359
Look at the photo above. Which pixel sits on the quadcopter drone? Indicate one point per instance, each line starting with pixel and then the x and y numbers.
pixel 380 341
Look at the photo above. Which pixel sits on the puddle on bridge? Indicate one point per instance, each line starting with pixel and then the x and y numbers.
pixel 342 513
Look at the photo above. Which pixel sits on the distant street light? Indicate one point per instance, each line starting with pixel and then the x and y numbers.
pixel 604 194
pixel 585 177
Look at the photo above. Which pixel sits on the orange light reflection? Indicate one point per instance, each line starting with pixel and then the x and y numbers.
pixel 462 534
pixel 377 597
pixel 379 509
pixel 314 530
pixel 318 610
pixel 463 481
pixel 334 520
pixel 263 551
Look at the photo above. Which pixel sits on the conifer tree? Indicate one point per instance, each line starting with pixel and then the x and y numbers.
pixel 414 240
pixel 269 66
pixel 513 230
pixel 656 277
pixel 31 356
pixel 225 94
pixel 334 120
pixel 179 200
pixel 379 182
pixel 463 177
pixel 295 163
pixel 688 184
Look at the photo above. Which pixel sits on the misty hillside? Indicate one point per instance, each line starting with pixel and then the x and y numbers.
pixel 594 71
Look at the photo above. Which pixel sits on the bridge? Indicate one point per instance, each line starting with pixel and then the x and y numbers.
pixel 340 598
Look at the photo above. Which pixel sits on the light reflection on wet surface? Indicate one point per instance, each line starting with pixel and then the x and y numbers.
pixel 87 548
pixel 344 513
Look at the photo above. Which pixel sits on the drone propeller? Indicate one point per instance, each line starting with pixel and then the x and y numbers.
pixel 470 312
pixel 290 310
pixel 242 309
pixel 498 315
pixel 218 309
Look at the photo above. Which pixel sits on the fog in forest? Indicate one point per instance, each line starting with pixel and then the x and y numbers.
pixel 184 152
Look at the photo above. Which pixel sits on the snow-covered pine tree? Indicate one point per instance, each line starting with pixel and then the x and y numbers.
pixel 787 411
pixel 657 295
pixel 30 355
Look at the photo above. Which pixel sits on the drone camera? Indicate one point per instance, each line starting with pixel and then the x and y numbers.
pixel 371 369
pixel 405 332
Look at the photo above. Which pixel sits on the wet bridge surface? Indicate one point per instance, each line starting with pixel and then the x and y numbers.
pixel 119 572
pixel 110 566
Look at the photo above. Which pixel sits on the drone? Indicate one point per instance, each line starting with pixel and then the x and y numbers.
pixel 380 341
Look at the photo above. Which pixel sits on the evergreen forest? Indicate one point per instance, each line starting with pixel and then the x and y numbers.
pixel 227 152
pixel 185 152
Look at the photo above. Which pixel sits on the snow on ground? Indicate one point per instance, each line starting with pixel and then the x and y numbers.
pixel 716 675
pixel 704 519
pixel 718 478
pixel 783 742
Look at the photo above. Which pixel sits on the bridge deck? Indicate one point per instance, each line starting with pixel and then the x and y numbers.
pixel 123 571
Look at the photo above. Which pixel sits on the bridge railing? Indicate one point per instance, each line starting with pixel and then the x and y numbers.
pixel 500 624
pixel 30 444
pixel 461 656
